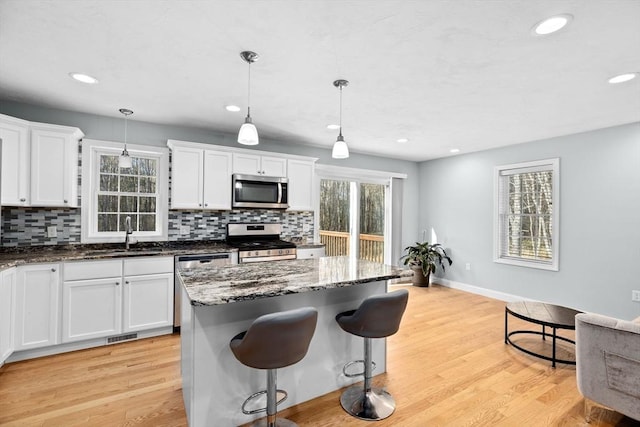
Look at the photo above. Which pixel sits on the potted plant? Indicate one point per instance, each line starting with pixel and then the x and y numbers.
pixel 423 259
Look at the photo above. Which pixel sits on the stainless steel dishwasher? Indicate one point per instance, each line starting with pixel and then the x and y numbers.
pixel 194 261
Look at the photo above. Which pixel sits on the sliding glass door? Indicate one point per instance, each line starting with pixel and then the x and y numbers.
pixel 353 218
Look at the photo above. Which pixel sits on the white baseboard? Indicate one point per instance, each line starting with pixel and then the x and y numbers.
pixel 502 296
pixel 81 345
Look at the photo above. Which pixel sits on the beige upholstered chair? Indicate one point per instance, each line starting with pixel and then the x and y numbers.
pixel 608 363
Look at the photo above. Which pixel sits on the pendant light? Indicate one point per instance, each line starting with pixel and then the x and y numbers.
pixel 340 149
pixel 125 161
pixel 248 134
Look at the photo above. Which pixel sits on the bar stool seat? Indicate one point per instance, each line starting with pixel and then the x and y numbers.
pixel 378 316
pixel 274 341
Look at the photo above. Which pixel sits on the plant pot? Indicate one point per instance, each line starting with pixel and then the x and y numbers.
pixel 419 279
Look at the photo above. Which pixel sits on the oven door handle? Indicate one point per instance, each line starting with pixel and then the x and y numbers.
pixel 279 192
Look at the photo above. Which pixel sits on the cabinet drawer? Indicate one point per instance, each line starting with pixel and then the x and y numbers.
pixel 83 270
pixel 148 265
pixel 310 253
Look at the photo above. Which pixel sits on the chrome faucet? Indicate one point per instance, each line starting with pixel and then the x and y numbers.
pixel 128 231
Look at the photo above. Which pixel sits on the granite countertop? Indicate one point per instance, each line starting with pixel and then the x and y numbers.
pixel 13 256
pixel 215 285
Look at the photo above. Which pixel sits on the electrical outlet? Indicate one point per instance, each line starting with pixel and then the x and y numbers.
pixel 52 231
pixel 467 266
pixel 306 227
pixel 184 229
pixel 635 296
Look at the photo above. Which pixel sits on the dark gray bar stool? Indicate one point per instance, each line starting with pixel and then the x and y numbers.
pixel 274 341
pixel 377 317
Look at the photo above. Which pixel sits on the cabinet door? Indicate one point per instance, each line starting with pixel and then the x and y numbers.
pixel 54 168
pixel 7 302
pixel 248 164
pixel 300 187
pixel 186 178
pixel 274 166
pixel 37 306
pixel 217 180
pixel 148 302
pixel 15 161
pixel 91 308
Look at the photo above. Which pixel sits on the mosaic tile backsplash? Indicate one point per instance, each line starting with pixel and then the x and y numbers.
pixel 28 226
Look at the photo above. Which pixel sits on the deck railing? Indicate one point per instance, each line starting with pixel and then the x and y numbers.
pixel 337 244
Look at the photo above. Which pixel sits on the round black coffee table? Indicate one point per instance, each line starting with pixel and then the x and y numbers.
pixel 554 316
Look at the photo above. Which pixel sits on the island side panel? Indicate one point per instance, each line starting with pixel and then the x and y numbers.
pixel 219 383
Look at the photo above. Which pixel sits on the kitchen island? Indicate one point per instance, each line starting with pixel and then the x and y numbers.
pixel 220 302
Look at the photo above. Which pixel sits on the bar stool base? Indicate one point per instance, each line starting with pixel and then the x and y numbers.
pixel 373 405
pixel 280 422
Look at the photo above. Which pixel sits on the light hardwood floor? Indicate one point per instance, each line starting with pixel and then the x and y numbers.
pixel 447 366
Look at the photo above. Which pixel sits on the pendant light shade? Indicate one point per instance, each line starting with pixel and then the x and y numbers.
pixel 248 134
pixel 124 161
pixel 340 148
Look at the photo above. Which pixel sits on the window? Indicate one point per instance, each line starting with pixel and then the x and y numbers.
pixel 110 194
pixel 527 212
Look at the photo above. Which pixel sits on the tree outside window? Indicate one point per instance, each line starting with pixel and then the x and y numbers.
pixel 527 212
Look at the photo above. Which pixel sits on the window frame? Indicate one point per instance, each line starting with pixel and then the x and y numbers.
pixel 500 228
pixel 91 151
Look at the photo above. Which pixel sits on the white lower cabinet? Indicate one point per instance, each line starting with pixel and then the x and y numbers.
pixel 109 297
pixel 148 302
pixel 37 306
pixel 91 299
pixel 7 302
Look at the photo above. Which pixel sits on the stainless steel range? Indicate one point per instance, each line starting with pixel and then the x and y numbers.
pixel 259 242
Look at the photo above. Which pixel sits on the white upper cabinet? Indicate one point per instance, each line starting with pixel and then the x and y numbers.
pixel 54 166
pixel 200 179
pixel 186 178
pixel 39 163
pixel 300 174
pixel 251 164
pixel 15 161
pixel 217 180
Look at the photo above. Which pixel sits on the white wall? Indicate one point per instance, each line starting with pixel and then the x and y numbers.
pixel 599 219
pixel 112 129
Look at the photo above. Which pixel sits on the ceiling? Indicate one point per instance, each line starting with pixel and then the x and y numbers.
pixel 444 74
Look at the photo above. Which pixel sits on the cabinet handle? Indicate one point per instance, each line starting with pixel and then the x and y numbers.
pixel 53 269
pixel 23 199
pixel 66 201
pixel 118 283
pixel 127 282
pixel 206 204
pixel 199 204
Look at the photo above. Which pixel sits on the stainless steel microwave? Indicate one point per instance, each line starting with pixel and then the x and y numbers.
pixel 255 191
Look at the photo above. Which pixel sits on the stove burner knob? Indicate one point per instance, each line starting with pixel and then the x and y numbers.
pixel 257 253
pixel 280 252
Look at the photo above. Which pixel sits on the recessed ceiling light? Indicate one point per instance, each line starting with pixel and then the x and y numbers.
pixel 402 140
pixel 623 78
pixel 333 127
pixel 84 78
pixel 233 108
pixel 454 150
pixel 551 25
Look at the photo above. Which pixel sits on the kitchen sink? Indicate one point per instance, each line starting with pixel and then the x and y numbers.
pixel 124 252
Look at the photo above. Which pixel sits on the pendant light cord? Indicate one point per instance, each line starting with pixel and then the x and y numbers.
pixel 340 110
pixel 249 92
pixel 126 116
